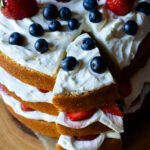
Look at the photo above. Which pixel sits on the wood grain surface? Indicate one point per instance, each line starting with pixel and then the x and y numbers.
pixel 14 136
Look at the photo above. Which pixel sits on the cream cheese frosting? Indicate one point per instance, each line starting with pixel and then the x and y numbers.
pixel 48 62
pixel 109 32
pixel 112 121
pixel 82 79
pixel 137 83
pixel 69 143
pixel 25 91
pixel 35 115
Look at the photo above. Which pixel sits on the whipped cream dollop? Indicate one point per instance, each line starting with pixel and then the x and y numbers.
pixel 25 91
pixel 16 106
pixel 137 83
pixel 48 62
pixel 82 78
pixel 112 121
pixel 69 143
pixel 120 46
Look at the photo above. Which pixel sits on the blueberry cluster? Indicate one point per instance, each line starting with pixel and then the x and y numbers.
pixel 97 64
pixel 94 15
pixel 131 27
pixel 51 13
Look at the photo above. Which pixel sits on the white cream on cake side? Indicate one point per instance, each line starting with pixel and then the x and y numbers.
pixel 69 143
pixel 35 115
pixel 48 62
pixel 109 31
pixel 82 79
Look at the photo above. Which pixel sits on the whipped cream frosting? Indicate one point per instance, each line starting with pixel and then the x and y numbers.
pixel 109 32
pixel 16 106
pixel 137 83
pixel 25 91
pixel 112 121
pixel 82 78
pixel 69 143
pixel 48 62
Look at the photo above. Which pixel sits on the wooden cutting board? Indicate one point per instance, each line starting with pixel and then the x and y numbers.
pixel 14 136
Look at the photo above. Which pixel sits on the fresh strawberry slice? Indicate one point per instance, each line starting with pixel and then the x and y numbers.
pixel 86 138
pixel 19 9
pixel 125 88
pixel 63 1
pixel 78 116
pixel 43 91
pixel 25 108
pixel 120 7
pixel 112 109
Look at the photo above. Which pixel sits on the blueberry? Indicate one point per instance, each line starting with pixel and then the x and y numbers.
pixel 73 24
pixel 90 4
pixel 16 39
pixel 95 16
pixel 54 26
pixel 50 12
pixel 87 44
pixel 98 65
pixel 144 7
pixel 36 29
pixel 65 13
pixel 69 63
pixel 41 45
pixel 130 27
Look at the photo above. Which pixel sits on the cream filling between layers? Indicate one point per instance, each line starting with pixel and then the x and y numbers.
pixel 25 91
pixel 69 143
pixel 82 79
pixel 109 31
pixel 35 115
pixel 137 83
pixel 48 62
pixel 112 121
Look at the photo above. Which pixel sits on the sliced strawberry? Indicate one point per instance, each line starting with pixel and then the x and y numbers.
pixel 78 116
pixel 112 109
pixel 63 1
pixel 24 108
pixel 43 91
pixel 86 138
pixel 120 7
pixel 125 88
pixel 19 9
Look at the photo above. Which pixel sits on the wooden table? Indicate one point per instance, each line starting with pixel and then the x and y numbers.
pixel 14 136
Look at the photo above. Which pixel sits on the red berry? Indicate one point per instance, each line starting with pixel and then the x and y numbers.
pixel 63 0
pixel 120 7
pixel 125 88
pixel 86 138
pixel 43 91
pixel 78 116
pixel 24 108
pixel 20 9
pixel 112 109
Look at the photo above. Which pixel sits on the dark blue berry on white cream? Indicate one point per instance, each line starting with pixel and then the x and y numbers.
pixel 36 29
pixel 95 16
pixel 69 63
pixel 50 12
pixel 16 39
pixel 90 4
pixel 87 44
pixel 98 65
pixel 54 26
pixel 65 13
pixel 41 45
pixel 73 24
pixel 130 27
pixel 144 7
